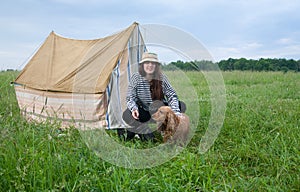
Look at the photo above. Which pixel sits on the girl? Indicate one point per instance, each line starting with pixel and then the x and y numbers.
pixel 148 89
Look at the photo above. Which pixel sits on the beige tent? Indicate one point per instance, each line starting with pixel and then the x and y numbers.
pixel 80 82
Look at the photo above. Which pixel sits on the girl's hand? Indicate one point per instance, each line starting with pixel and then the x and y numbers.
pixel 135 114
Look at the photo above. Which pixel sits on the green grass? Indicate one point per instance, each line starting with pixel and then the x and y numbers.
pixel 256 150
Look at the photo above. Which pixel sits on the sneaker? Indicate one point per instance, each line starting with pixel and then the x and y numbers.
pixel 121 134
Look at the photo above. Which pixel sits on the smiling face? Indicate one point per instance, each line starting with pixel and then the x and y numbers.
pixel 149 67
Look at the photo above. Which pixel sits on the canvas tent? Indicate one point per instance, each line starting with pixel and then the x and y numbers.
pixel 80 82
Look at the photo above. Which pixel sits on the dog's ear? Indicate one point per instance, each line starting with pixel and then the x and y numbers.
pixel 173 120
pixel 162 127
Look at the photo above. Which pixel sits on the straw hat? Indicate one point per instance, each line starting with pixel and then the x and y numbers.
pixel 149 57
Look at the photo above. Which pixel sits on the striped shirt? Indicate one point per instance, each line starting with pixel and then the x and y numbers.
pixel 139 92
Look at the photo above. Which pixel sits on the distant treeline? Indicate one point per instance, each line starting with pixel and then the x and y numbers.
pixel 241 64
pixel 231 64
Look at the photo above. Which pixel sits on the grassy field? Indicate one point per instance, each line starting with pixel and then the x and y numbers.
pixel 258 148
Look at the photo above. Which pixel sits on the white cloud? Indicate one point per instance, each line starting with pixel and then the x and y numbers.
pixel 284 41
pixel 237 50
pixel 256 51
pixel 251 46
pixel 289 52
pixel 79 2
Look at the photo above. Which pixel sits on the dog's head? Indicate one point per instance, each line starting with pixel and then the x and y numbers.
pixel 161 114
pixel 165 115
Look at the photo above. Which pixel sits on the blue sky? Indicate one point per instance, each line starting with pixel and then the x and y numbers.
pixel 226 28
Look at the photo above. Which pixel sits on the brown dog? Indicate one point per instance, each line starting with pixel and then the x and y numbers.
pixel 175 129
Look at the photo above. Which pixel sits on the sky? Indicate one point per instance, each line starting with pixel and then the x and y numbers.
pixel 225 28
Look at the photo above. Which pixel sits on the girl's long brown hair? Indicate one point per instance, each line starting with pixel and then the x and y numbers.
pixel 155 83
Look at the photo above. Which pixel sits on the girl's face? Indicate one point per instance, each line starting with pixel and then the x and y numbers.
pixel 149 67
